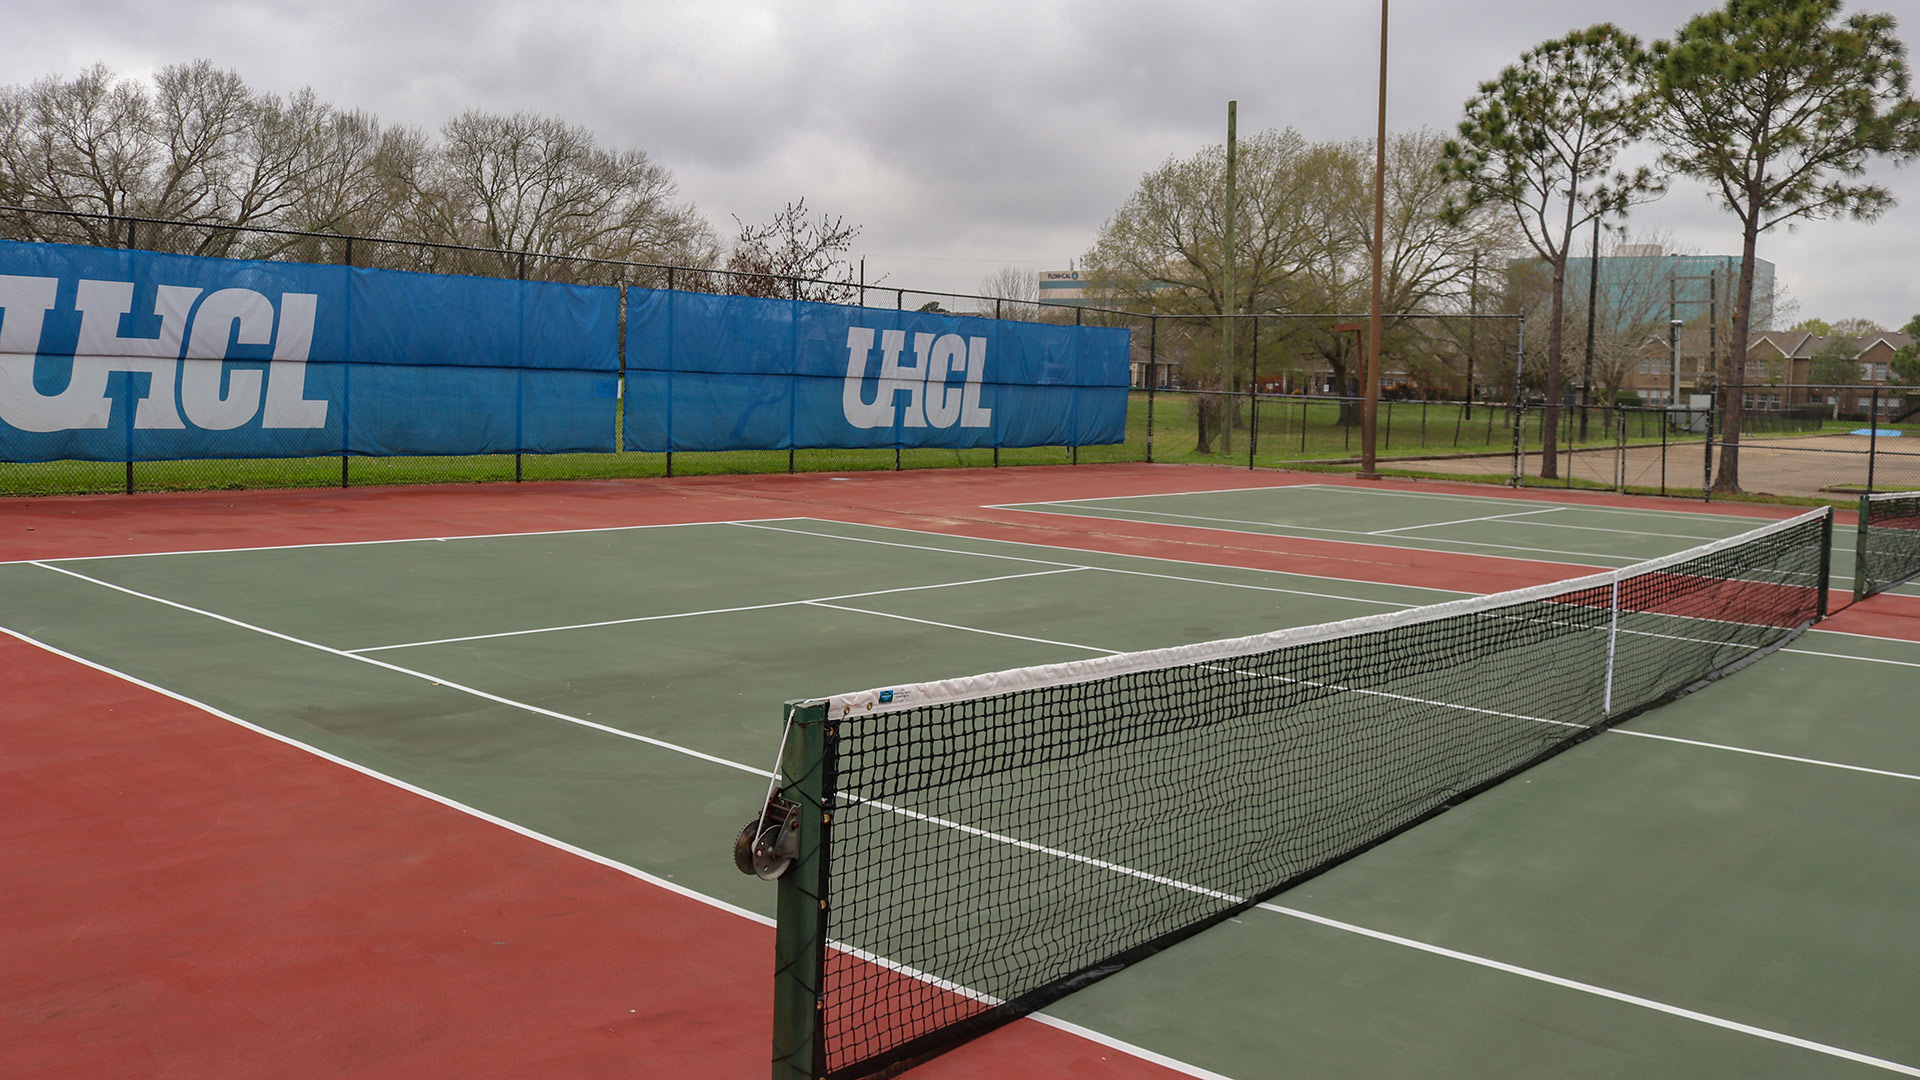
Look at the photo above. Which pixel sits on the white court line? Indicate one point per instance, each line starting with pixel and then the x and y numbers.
pixel 1862 659
pixel 1447 704
pixel 403 785
pixel 561 845
pixel 713 611
pixel 1150 558
pixel 1272 528
pixel 1853 633
pixel 1405 942
pixel 1438 496
pixel 1766 754
pixel 968 629
pixel 1598 991
pixel 1745 522
pixel 1294 531
pixel 1470 521
pixel 1094 566
pixel 1438 950
pixel 424 676
pixel 1622 510
pixel 400 540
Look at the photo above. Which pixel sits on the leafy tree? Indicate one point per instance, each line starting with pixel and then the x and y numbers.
pixel 1836 363
pixel 795 256
pixel 1304 231
pixel 1858 327
pixel 1816 327
pixel 1541 140
pixel 1906 359
pixel 1164 250
pixel 1778 105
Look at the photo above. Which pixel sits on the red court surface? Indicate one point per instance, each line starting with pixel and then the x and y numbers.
pixel 186 897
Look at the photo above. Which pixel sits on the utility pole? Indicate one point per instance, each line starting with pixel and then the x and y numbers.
pixel 1227 403
pixel 1593 305
pixel 1369 411
pixel 1673 335
pixel 1473 326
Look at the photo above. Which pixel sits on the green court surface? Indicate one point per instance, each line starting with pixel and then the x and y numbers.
pixel 1727 886
pixel 1601 536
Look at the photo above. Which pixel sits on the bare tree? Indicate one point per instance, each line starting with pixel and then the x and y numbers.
pixel 197 146
pixel 795 256
pixel 84 146
pixel 537 184
pixel 1432 257
pixel 1164 250
pixel 1016 290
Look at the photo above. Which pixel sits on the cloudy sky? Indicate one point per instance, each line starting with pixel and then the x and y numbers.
pixel 962 137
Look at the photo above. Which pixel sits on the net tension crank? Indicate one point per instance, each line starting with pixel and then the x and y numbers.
pixel 769 843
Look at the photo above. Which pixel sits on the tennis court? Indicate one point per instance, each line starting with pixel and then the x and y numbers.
pixel 570 699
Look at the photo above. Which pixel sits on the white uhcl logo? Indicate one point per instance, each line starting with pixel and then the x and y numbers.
pixel 277 395
pixel 931 400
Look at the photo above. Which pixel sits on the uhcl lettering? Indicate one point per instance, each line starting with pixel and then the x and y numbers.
pixel 932 399
pixel 186 362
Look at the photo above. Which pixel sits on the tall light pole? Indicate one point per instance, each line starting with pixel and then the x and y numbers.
pixel 1232 290
pixel 1673 335
pixel 1593 307
pixel 1369 411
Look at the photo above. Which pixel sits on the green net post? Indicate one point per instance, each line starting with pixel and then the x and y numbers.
pixel 799 1049
pixel 1860 550
pixel 1826 563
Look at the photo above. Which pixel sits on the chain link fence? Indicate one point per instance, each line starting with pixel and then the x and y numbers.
pixel 1289 397
pixel 1828 443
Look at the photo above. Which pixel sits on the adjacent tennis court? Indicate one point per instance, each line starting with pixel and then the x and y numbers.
pixel 1725 886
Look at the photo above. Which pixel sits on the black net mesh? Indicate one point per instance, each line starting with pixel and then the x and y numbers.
pixel 1889 552
pixel 990 853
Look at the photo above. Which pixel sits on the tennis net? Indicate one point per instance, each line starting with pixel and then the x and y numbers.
pixel 1888 551
pixel 968 851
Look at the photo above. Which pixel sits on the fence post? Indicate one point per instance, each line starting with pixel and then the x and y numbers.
pixel 1620 450
pixel 126 428
pixel 1519 399
pixel 1873 437
pixel 1153 364
pixel 1666 421
pixel 1706 484
pixel 1253 395
pixel 1519 436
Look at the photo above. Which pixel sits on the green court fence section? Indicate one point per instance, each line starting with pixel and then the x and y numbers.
pixel 1887 551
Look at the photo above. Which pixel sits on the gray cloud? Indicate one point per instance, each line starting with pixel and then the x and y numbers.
pixel 962 136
